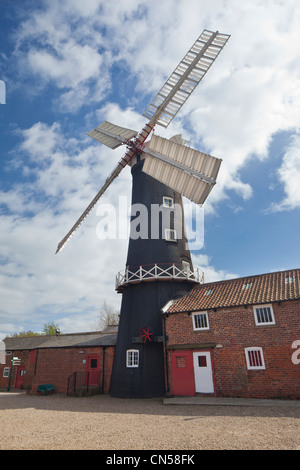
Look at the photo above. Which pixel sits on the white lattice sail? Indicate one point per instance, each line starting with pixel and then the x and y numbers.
pixel 184 169
pixel 111 135
pixel 186 77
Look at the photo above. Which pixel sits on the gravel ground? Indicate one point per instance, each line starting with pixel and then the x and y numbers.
pixel 101 422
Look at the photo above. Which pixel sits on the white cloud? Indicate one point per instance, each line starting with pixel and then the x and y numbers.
pixel 289 176
pixel 64 51
pixel 37 215
pixel 249 95
pixel 40 140
pixel 210 272
pixel 69 66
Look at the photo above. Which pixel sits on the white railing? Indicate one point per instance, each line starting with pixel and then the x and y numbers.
pixel 168 272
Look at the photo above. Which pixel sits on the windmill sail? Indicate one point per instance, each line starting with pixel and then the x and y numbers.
pixel 189 172
pixel 186 77
pixel 193 177
pixel 107 183
pixel 111 135
pixel 113 175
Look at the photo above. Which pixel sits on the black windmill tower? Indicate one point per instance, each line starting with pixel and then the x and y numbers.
pixel 159 265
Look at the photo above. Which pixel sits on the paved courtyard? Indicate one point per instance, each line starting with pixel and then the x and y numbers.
pixel 104 423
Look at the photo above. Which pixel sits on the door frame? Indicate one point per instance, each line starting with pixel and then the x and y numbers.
pixel 183 381
pixel 95 370
pixel 207 352
pixel 19 382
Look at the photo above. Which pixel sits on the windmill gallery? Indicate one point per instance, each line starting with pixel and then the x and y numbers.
pixel 176 334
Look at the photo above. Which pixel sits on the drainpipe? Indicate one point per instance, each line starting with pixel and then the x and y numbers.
pixel 14 361
pixel 10 373
pixel 165 353
pixel 103 366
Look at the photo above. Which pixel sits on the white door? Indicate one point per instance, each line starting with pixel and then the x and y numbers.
pixel 203 372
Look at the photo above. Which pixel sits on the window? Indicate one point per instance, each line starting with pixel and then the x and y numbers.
pixel 132 358
pixel 181 362
pixel 247 286
pixel 200 321
pixel 6 372
pixel 185 267
pixel 209 292
pixel 264 315
pixel 93 363
pixel 168 202
pixel 170 235
pixel 202 362
pixel 254 358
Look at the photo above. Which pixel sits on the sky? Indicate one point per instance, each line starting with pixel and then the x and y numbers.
pixel 67 67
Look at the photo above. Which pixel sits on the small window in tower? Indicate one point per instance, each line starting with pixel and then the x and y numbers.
pixel 168 202
pixel 186 267
pixel 132 358
pixel 170 235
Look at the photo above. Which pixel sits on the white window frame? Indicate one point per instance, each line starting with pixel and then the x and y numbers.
pixel 195 322
pixel 132 358
pixel 6 372
pixel 186 267
pixel 166 201
pixel 258 357
pixel 257 314
pixel 168 232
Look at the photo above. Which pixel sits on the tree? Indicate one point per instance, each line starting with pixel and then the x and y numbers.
pixel 108 316
pixel 51 329
pixel 24 333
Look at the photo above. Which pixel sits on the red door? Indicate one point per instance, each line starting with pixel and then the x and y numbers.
pixel 183 372
pixel 92 370
pixel 20 376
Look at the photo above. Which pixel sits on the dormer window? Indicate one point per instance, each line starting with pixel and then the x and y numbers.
pixel 209 292
pixel 247 286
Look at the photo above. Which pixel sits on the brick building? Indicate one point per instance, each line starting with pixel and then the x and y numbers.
pixel 236 338
pixel 81 358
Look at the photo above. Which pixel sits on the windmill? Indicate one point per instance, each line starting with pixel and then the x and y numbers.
pixel 159 268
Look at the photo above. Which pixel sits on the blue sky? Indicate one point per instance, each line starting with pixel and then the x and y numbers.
pixel 67 67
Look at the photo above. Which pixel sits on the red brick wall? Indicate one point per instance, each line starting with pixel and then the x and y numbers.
pixel 24 357
pixel 234 329
pixel 56 365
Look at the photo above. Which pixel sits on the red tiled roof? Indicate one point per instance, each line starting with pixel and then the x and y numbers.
pixel 259 289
